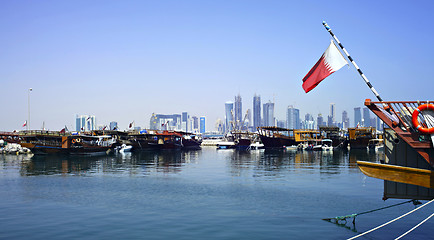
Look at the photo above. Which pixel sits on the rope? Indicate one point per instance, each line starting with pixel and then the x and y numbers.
pixel 426 219
pixel 415 202
pixel 391 221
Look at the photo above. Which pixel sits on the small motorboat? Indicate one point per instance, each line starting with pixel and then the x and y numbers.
pixel 125 148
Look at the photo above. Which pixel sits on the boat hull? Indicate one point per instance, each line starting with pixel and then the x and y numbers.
pixel 274 142
pixel 415 176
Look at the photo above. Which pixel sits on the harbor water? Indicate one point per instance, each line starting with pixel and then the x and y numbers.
pixel 202 194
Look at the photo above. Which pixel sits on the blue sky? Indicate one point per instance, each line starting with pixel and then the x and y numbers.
pixel 123 60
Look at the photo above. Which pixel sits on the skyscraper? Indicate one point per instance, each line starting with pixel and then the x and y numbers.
pixel 256 111
pixel 202 124
pixel 357 117
pixel 229 107
pixel 268 114
pixel 293 118
pixel 333 112
pixel 195 124
pixel 345 120
pixel 184 122
pixel 320 121
pixel 366 117
pixel 85 123
pixel 238 109
pixel 165 122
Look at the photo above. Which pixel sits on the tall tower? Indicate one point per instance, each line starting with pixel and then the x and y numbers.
pixel 238 109
pixel 320 120
pixel 229 108
pixel 333 113
pixel 345 120
pixel 202 124
pixel 357 117
pixel 256 111
pixel 269 114
pixel 366 117
pixel 85 123
pixel 184 122
pixel 293 118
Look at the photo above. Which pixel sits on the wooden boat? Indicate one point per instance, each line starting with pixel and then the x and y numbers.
pixel 161 139
pixel 415 176
pixel 165 140
pixel 10 137
pixel 276 137
pixel 190 141
pixel 359 136
pixel 339 140
pixel 307 139
pixel 399 116
pixel 45 142
pixel 242 140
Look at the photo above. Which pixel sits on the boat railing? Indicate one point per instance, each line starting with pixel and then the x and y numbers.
pixel 43 132
pixel 398 116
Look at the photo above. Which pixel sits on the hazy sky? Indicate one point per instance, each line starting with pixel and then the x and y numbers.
pixel 123 60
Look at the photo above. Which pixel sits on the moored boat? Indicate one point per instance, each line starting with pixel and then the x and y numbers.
pixel 276 137
pixel 45 142
pixel 307 139
pixel 359 136
pixel 337 135
pixel 242 140
pixel 416 165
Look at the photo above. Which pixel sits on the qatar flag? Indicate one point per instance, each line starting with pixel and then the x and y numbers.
pixel 331 61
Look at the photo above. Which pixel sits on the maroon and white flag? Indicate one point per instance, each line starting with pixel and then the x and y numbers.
pixel 25 123
pixel 331 61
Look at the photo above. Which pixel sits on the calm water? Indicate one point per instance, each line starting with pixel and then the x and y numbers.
pixel 205 194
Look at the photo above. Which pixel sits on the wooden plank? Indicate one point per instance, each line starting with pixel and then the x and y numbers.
pixel 415 176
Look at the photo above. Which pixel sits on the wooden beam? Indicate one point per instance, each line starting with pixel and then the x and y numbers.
pixel 415 176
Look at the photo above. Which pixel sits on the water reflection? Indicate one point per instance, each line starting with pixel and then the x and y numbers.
pixel 272 162
pixel 263 162
pixel 141 163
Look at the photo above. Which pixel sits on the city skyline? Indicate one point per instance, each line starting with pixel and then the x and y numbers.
pixel 123 61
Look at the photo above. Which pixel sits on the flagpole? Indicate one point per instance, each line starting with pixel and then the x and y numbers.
pixel 352 61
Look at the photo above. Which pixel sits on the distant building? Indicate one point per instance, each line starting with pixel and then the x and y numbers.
pixel 195 124
pixel 113 125
pixel 333 112
pixel 248 121
pixel 219 126
pixel 345 120
pixel 268 114
pixel 308 122
pixel 202 124
pixel 320 121
pixel 366 117
pixel 85 123
pixel 281 123
pixel 229 117
pixel 293 118
pixel 238 109
pixel 379 124
pixel 165 122
pixel 357 117
pixel 330 121
pixel 256 111
pixel 185 119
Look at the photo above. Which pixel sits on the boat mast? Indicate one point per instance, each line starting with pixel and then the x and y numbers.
pixel 352 61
